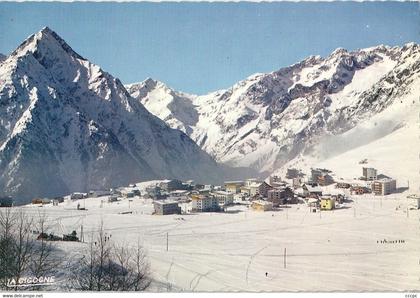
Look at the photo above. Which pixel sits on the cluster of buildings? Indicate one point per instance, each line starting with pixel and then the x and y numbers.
pixel 317 199
pixel 126 192
pixel 261 195
pixel 208 198
pixel 276 192
pixel 111 194
pixel 171 189
pixel 168 194
pixel 379 184
pixel 376 184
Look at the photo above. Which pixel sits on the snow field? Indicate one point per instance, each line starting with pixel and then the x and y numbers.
pixel 328 251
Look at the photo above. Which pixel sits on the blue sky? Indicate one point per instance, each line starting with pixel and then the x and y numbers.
pixel 202 47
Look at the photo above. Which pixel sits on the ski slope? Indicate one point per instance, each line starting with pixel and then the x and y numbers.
pixel 336 250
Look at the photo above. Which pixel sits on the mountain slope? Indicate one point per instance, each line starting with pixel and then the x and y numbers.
pixel 175 108
pixel 388 140
pixel 269 119
pixel 67 125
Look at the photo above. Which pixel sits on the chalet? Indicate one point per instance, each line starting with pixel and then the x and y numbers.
pixel 274 179
pixel 278 184
pixel 41 201
pixel 198 186
pixel 77 196
pixel 280 196
pixel 115 191
pixel 178 193
pixel 312 202
pixel 339 198
pixel 384 186
pixel 264 188
pixel 250 181
pixel 259 189
pixel 343 185
pixel 112 198
pixel 166 207
pixel 359 190
pixel 296 182
pixel 127 192
pixel 99 193
pixel 6 201
pixel 327 203
pixel 154 192
pixel 233 186
pixel 276 196
pixel 316 173
pixel 208 187
pixel 189 183
pixel 301 192
pixel 253 189
pixel 204 191
pixel 313 191
pixel 292 173
pixel 246 191
pixel 174 184
pixel 416 198
pixel 260 205
pixel 325 179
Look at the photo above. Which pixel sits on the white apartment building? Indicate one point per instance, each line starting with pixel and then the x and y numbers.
pixel 384 186
pixel 370 173
pixel 204 203
pixel 223 197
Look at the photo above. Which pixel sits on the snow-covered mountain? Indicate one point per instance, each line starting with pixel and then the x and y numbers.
pixel 2 57
pixel 175 108
pixel 67 125
pixel 271 119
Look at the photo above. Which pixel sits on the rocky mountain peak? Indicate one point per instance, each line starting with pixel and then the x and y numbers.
pixel 43 43
pixel 267 119
pixel 66 126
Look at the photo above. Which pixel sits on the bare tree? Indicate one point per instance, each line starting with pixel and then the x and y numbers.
pixel 7 223
pixel 109 267
pixel 20 253
pixel 17 244
pixel 24 244
pixel 133 271
pixel 43 260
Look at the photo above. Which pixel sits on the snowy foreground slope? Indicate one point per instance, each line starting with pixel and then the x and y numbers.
pixel 66 125
pixel 336 250
pixel 270 119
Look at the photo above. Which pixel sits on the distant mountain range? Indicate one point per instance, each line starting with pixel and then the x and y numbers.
pixel 269 120
pixel 66 125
